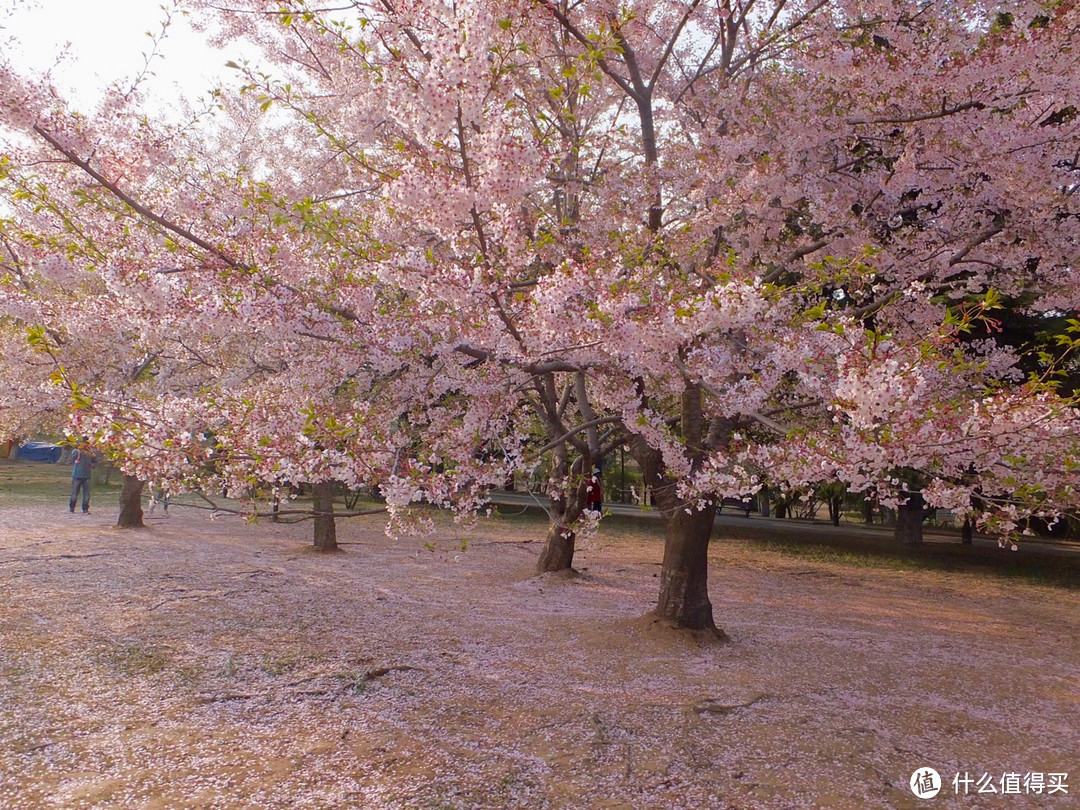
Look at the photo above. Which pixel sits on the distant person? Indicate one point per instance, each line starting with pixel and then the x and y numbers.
pixel 594 496
pixel 159 495
pixel 83 461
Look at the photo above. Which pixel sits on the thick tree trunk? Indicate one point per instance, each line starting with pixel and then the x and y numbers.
pixel 325 527
pixel 868 511
pixel 763 502
pixel 131 513
pixel 909 520
pixel 684 584
pixel 684 575
pixel 558 553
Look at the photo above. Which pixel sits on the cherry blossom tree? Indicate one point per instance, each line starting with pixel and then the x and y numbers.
pixel 719 215
pixel 747 239
pixel 172 351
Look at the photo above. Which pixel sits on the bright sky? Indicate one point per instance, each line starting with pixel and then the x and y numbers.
pixel 105 40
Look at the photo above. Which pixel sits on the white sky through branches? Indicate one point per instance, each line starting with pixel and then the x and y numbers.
pixel 89 45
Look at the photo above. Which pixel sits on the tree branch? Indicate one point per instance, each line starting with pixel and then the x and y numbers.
pixel 911 119
pixel 571 29
pixel 603 420
pixel 134 204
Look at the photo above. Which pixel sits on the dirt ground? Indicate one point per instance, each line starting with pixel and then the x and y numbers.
pixel 215 664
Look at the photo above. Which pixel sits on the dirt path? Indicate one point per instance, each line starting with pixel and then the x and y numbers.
pixel 220 665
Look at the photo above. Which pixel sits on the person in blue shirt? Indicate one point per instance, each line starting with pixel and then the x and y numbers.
pixel 84 460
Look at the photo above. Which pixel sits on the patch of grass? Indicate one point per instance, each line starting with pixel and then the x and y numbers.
pixel 279 664
pixel 518 514
pixel 137 659
pixel 355 683
pixel 189 674
pixel 37 482
pixel 230 668
pixel 826 554
pixel 439 804
pixel 1039 568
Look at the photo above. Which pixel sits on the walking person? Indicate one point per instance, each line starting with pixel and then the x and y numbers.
pixel 84 461
pixel 159 495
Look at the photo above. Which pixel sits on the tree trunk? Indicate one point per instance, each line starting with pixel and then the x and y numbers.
pixel 684 575
pixel 684 586
pixel 763 502
pixel 131 512
pixel 967 532
pixel 558 553
pixel 325 528
pixel 909 520
pixel 868 511
pixel 836 506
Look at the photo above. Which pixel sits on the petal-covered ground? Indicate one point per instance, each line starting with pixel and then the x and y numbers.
pixel 215 664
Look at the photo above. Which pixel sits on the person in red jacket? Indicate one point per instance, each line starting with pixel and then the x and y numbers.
pixel 594 495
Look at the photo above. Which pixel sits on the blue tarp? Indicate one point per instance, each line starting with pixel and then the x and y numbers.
pixel 39 451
